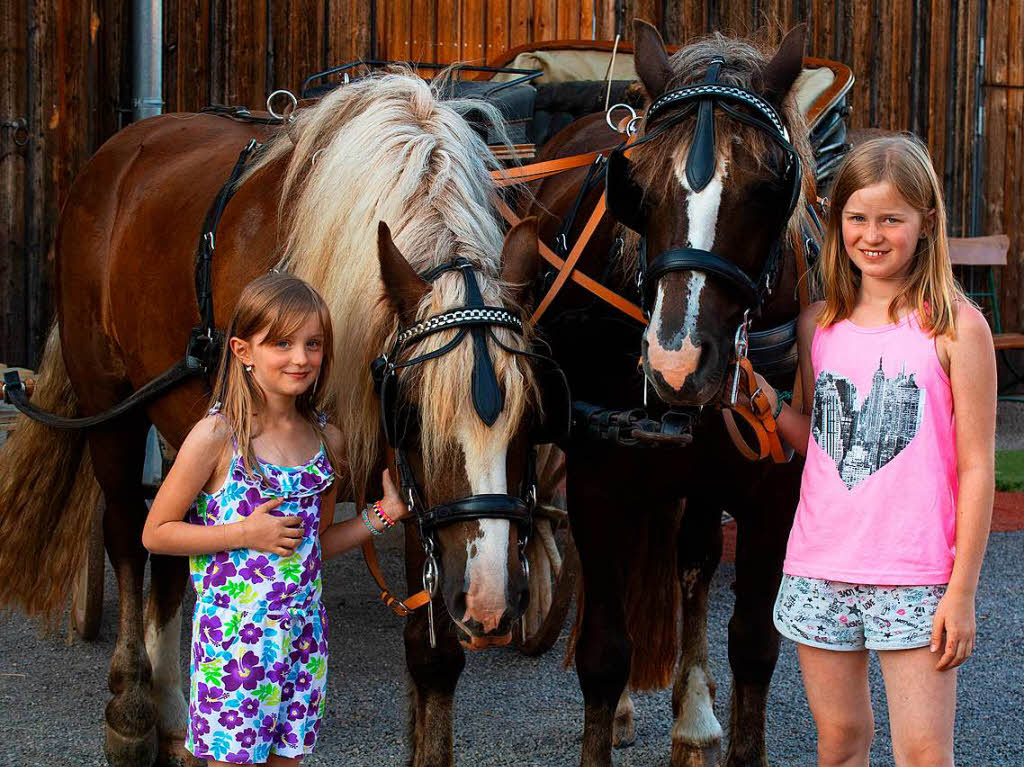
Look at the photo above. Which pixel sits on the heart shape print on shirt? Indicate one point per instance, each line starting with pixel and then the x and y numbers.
pixel 861 440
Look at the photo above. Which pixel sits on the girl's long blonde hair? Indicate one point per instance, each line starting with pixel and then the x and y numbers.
pixel 931 289
pixel 280 304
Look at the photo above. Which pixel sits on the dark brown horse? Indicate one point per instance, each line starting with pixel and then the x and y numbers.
pixel 643 557
pixel 381 149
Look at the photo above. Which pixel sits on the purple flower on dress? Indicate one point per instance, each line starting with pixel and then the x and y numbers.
pixel 198 655
pixel 244 672
pixel 296 711
pixel 278 672
pixel 246 737
pixel 314 699
pixel 309 479
pixel 210 698
pixel 310 568
pixel 250 633
pixel 308 500
pixel 257 569
pixel 249 708
pixel 218 571
pixel 221 599
pixel 280 595
pixel 229 718
pixel 268 727
pixel 287 691
pixel 209 629
pixel 304 645
pixel 199 726
pixel 308 522
pixel 284 735
pixel 250 501
pixel 302 681
pixel 212 511
pixel 241 756
pixel 310 739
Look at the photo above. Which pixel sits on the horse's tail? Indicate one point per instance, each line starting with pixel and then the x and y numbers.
pixel 47 497
pixel 652 601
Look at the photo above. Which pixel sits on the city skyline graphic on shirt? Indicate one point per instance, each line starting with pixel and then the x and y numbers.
pixel 862 439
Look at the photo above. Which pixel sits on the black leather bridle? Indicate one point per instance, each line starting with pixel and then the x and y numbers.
pixel 475 320
pixel 701 163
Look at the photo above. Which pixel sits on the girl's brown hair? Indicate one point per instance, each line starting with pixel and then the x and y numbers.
pixel 280 304
pixel 930 288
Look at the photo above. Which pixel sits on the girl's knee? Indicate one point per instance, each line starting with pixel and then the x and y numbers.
pixel 844 743
pixel 922 751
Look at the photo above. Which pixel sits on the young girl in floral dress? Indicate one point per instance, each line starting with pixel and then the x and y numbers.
pixel 250 500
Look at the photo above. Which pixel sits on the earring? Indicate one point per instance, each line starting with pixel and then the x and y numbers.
pixel 248 368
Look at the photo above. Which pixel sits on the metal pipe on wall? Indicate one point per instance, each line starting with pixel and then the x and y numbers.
pixel 147 58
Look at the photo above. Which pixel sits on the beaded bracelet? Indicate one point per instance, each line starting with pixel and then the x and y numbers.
pixel 369 525
pixel 378 507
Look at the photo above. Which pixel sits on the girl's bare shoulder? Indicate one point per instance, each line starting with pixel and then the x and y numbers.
pixel 210 437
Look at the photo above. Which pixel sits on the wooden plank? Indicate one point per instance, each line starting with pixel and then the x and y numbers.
pixel 424 31
pixel 245 64
pixel 1013 307
pixel 306 40
pixel 545 20
pixel 521 22
pixel 588 19
pixel 568 22
pixel 605 13
pixel 449 29
pixel 474 32
pixel 13 106
pixel 399 30
pixel 862 61
pixel 191 81
pixel 113 54
pixel 648 10
pixel 348 30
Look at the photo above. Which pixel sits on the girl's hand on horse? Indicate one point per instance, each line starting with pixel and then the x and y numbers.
pixel 953 629
pixel 265 532
pixel 394 507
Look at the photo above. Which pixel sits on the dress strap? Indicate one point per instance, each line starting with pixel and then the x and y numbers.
pixel 321 419
pixel 216 410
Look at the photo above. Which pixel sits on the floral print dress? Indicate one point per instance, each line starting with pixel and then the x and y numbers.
pixel 259 632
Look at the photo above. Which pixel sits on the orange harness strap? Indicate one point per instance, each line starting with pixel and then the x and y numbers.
pixel 403 608
pixel 523 174
pixel 758 415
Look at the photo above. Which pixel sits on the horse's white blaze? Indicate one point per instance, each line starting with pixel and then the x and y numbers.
pixel 696 724
pixel 162 646
pixel 486 577
pixel 676 365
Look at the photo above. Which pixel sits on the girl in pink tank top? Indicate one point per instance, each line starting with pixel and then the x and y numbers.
pixel 899 438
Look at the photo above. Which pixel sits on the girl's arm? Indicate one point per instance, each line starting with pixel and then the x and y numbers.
pixel 972 375
pixel 340 537
pixel 166 532
pixel 795 425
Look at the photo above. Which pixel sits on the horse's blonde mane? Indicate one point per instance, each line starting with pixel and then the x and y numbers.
pixel 385 148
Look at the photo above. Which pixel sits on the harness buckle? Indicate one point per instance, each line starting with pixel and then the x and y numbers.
pixel 209 239
pixel 742 345
pixel 633 118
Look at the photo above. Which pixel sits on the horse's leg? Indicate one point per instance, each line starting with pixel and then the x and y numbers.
pixel 763 524
pixel 696 733
pixel 603 648
pixel 168 576
pixel 624 727
pixel 131 717
pixel 433 673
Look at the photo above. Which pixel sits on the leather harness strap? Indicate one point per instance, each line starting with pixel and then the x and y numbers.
pixel 523 174
pixel 403 608
pixel 758 416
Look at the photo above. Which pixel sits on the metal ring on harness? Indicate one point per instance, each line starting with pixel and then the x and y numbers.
pixel 632 117
pixel 288 113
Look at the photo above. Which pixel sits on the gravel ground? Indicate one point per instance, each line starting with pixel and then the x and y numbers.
pixel 510 710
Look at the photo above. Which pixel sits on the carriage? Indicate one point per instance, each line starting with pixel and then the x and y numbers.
pixel 539 90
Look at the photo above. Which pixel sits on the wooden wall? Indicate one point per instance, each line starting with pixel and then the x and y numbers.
pixel 64 70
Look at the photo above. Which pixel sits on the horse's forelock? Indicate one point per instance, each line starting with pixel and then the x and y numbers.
pixel 386 149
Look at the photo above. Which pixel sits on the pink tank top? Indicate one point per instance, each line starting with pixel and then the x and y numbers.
pixel 878 495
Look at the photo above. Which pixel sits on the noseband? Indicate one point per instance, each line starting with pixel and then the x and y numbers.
pixel 701 163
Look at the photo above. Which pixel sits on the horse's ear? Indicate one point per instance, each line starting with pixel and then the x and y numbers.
pixel 781 72
pixel 520 259
pixel 402 286
pixel 650 58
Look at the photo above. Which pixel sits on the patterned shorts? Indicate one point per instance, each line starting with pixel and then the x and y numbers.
pixel 851 616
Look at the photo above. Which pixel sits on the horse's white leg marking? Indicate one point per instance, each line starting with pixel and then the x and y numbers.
pixel 162 646
pixel 486 575
pixel 675 366
pixel 696 724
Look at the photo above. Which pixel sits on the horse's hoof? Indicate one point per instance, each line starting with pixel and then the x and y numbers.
pixel 689 755
pixel 623 732
pixel 129 751
pixel 172 753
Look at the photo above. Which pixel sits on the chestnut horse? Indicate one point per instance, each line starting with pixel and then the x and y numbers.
pixel 644 559
pixel 380 149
